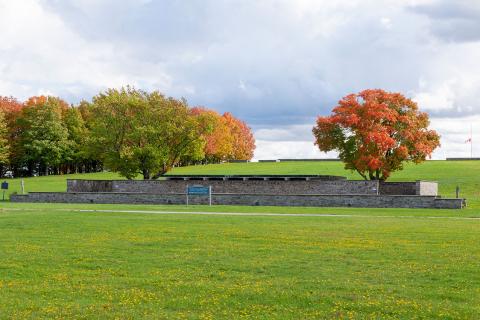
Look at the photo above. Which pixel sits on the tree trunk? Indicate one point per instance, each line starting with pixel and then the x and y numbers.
pixel 146 174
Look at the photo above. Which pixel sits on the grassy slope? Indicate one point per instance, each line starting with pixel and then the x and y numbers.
pixel 449 174
pixel 116 265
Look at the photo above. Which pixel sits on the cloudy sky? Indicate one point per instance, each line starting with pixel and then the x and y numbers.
pixel 277 64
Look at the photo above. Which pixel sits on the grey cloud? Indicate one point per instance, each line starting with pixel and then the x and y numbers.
pixel 292 68
pixel 456 21
pixel 261 60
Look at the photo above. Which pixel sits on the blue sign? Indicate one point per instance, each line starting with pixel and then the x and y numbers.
pixel 198 190
pixel 4 185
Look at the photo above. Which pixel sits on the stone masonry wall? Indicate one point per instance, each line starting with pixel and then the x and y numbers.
pixel 419 188
pixel 258 186
pixel 366 201
pixel 280 187
pixel 397 188
pixel 80 185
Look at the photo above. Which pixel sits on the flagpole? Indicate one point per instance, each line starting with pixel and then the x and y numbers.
pixel 471 142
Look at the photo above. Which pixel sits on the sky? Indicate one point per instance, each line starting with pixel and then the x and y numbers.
pixel 276 64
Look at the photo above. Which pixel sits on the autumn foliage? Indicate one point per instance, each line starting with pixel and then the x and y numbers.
pixel 125 130
pixel 229 139
pixel 376 132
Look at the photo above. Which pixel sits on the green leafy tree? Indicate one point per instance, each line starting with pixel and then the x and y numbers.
pixel 77 135
pixel 91 160
pixel 181 133
pixel 136 132
pixel 44 139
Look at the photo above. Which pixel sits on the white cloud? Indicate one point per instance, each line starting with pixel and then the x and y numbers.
pixel 386 22
pixel 276 64
pixel 450 81
pixel 439 98
pixel 273 150
pixel 42 54
pixel 454 132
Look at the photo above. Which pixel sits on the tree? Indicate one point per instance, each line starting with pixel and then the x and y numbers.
pixel 182 133
pixel 376 132
pixel 136 132
pixel 91 160
pixel 243 140
pixel 4 147
pixel 77 135
pixel 12 110
pixel 119 132
pixel 43 137
pixel 219 138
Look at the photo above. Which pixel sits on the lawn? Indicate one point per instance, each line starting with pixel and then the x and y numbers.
pixel 84 261
pixel 58 263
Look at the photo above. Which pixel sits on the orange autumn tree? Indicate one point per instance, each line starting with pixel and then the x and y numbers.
pixel 11 109
pixel 219 139
pixel 375 132
pixel 243 139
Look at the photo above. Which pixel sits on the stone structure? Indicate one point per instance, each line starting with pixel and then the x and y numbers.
pixel 268 190
pixel 283 185
pixel 234 185
pixel 462 159
pixel 419 188
pixel 362 201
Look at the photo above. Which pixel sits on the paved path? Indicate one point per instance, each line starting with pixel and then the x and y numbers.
pixel 247 214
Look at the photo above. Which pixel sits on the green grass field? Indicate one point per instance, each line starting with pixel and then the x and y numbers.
pixel 60 261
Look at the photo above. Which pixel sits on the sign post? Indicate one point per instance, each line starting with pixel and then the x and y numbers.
pixel 4 188
pixel 199 191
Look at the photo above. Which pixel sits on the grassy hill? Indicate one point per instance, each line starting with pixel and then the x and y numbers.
pixel 449 174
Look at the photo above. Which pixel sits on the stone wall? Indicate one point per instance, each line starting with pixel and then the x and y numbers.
pixel 366 201
pixel 419 188
pixel 398 188
pixel 259 186
pixel 427 188
pixel 79 185
pixel 280 187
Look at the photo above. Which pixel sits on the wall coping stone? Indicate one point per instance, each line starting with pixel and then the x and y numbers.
pixel 254 194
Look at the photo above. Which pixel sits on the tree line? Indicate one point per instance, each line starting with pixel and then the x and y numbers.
pixel 125 130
